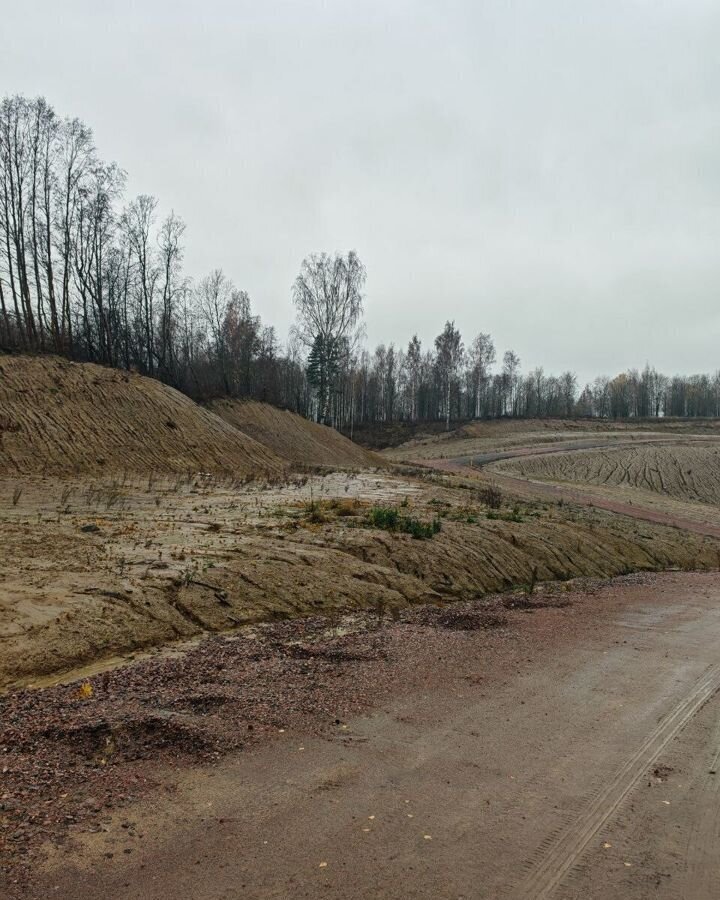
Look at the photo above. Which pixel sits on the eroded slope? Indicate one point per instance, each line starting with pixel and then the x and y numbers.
pixel 293 437
pixel 89 570
pixel 59 417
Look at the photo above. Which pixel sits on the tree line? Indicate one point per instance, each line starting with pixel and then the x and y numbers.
pixel 91 274
pixel 413 385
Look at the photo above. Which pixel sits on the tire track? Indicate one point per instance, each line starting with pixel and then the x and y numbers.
pixel 700 878
pixel 567 849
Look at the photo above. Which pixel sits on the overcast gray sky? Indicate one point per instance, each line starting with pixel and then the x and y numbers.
pixel 547 171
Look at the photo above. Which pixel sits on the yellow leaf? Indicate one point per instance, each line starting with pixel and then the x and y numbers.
pixel 85 690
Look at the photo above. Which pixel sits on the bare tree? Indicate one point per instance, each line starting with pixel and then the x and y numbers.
pixel 174 285
pixel 137 222
pixel 93 242
pixel 214 294
pixel 328 299
pixel 16 174
pixel 481 357
pixel 76 155
pixel 413 364
pixel 449 348
pixel 511 368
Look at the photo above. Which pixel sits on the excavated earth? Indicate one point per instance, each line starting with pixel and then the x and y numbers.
pixel 94 570
pixel 294 438
pixel 210 634
pixel 681 470
pixel 558 745
pixel 59 418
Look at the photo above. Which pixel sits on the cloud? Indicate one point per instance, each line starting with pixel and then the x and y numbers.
pixel 548 172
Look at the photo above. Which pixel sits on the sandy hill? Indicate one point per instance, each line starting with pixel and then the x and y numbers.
pixel 62 417
pixel 293 437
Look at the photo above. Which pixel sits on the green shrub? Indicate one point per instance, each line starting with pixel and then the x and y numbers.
pixel 384 517
pixel 390 519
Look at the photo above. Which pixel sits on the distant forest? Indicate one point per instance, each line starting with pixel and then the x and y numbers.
pixel 95 276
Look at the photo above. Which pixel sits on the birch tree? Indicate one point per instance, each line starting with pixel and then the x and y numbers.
pixel 449 349
pixel 329 304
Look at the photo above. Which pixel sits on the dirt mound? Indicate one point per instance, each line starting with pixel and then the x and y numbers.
pixel 292 437
pixel 500 435
pixel 59 417
pixel 682 471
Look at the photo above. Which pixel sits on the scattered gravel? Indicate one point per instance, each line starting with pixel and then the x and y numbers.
pixel 70 753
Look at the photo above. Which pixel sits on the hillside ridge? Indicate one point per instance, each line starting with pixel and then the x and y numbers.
pixel 62 417
pixel 292 437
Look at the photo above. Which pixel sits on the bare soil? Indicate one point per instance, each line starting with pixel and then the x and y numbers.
pixel 418 440
pixel 60 418
pixel 294 438
pixel 224 678
pixel 564 752
pixel 94 570
pixel 684 470
pixel 499 436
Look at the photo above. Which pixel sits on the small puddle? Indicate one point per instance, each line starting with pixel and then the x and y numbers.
pixel 251 631
pixel 108 664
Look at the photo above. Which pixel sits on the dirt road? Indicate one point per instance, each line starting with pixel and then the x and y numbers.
pixel 570 761
pixel 569 446
pixel 693 517
pixel 639 509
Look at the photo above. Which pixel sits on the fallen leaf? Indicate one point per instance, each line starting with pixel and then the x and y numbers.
pixel 85 691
